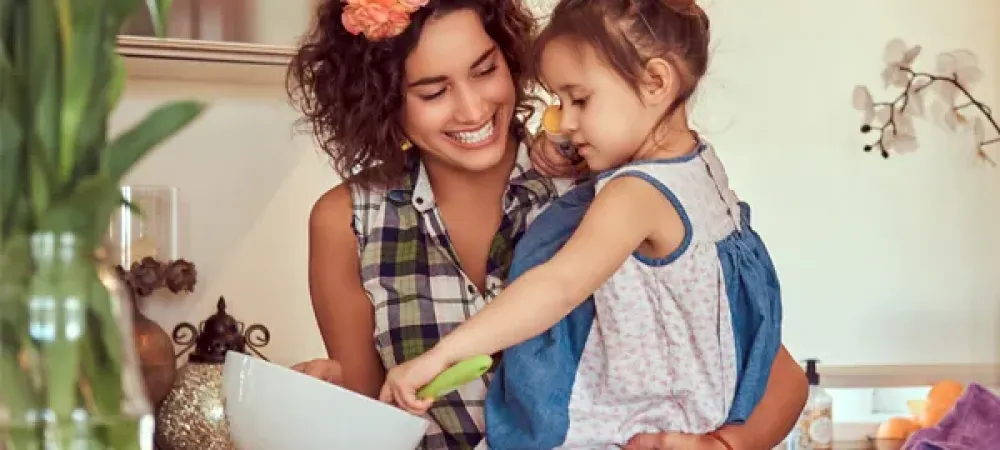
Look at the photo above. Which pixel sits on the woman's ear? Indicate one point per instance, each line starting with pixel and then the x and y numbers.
pixel 659 82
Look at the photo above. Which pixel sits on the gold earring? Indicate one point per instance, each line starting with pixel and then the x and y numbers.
pixel 406 145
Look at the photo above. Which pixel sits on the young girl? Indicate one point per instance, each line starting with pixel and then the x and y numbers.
pixel 665 247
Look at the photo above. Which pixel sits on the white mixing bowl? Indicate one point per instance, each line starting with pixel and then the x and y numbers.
pixel 270 407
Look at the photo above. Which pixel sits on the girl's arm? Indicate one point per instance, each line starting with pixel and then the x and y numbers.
pixel 623 214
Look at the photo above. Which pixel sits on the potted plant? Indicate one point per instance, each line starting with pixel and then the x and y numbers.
pixel 68 375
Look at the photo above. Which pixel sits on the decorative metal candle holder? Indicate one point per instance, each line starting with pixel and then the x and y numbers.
pixel 193 416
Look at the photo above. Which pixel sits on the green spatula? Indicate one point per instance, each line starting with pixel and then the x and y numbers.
pixel 456 376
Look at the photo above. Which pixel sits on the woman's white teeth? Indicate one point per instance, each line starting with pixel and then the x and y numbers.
pixel 474 137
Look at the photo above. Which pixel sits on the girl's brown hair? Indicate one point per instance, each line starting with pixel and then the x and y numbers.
pixel 350 89
pixel 626 34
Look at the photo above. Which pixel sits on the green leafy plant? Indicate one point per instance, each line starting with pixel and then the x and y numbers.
pixel 61 77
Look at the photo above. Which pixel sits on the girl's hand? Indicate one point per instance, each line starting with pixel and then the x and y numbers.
pixel 402 382
pixel 673 441
pixel 546 158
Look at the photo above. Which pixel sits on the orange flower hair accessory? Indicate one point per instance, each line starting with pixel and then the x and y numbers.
pixel 379 19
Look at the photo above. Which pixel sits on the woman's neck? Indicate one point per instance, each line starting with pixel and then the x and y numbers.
pixel 454 184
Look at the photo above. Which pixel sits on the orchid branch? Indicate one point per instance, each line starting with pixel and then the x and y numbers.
pixel 956 71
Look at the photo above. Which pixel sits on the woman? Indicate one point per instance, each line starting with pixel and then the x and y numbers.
pixel 418 104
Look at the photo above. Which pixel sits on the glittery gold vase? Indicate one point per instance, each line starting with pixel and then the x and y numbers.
pixel 192 415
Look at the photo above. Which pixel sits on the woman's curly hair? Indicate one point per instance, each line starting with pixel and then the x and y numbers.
pixel 350 89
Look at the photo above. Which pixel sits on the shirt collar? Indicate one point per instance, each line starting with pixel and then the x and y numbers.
pixel 415 187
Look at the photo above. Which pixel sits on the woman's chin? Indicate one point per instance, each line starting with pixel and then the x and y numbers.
pixel 479 158
pixel 483 160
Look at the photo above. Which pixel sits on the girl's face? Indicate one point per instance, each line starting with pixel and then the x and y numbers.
pixel 459 94
pixel 608 122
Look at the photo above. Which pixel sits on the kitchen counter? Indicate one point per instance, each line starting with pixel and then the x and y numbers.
pixel 860 445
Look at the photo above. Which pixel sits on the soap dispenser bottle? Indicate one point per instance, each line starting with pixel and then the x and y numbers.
pixel 814 430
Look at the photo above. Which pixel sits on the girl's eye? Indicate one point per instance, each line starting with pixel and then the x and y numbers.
pixel 579 102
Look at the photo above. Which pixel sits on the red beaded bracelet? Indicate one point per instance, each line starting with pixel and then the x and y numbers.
pixel 715 435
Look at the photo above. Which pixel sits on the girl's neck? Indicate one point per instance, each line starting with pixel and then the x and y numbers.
pixel 452 184
pixel 673 138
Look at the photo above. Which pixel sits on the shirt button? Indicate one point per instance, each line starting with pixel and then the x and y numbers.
pixel 420 200
pixel 472 289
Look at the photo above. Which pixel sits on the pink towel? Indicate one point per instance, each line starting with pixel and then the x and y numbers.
pixel 973 424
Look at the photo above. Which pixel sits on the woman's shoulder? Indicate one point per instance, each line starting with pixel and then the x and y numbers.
pixel 333 207
pixel 351 202
pixel 348 195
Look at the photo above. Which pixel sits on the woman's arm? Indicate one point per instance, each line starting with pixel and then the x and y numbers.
pixel 621 217
pixel 342 308
pixel 768 424
pixel 778 410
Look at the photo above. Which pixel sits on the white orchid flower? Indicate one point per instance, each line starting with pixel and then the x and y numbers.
pixel 862 99
pixel 961 66
pixel 897 58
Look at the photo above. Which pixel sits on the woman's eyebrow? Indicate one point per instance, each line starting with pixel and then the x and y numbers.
pixel 441 78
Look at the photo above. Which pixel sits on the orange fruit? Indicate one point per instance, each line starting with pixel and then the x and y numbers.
pixel 945 392
pixel 915 406
pixel 933 412
pixel 897 428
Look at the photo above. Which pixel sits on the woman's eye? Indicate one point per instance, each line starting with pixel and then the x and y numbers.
pixel 429 97
pixel 579 102
pixel 492 68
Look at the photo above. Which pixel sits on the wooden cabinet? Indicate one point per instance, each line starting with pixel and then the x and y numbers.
pixel 265 22
pixel 243 41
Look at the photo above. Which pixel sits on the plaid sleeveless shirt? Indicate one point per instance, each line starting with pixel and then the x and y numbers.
pixel 410 271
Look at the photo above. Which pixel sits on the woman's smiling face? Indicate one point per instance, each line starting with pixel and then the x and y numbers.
pixel 459 94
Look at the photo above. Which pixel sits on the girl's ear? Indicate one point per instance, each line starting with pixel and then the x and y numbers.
pixel 659 82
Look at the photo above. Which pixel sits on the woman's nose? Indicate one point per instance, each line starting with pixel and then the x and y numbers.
pixel 470 107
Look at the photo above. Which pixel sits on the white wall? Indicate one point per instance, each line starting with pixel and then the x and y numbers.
pixel 882 262
pixel 246 181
